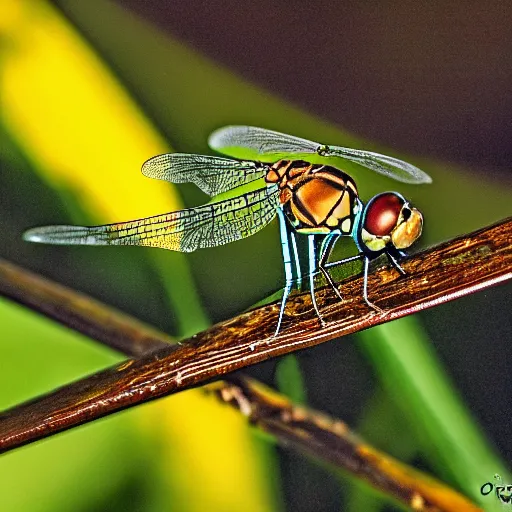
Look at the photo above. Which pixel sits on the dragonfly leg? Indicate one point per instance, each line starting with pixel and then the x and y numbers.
pixel 312 271
pixel 327 245
pixel 286 293
pixel 287 262
pixel 298 274
pixel 344 260
pixel 395 263
pixel 365 286
pixel 325 251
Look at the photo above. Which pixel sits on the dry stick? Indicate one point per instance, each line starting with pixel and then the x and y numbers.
pixel 80 312
pixel 451 270
pixel 331 440
pixel 308 431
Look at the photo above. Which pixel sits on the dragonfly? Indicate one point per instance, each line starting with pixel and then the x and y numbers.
pixel 316 200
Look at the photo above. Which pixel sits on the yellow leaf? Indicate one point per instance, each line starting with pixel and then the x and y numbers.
pixel 74 119
pixel 82 131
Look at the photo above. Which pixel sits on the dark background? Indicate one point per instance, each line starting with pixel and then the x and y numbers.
pixel 426 78
pixel 430 78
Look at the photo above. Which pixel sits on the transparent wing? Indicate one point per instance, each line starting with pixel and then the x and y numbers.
pixel 270 142
pixel 265 142
pixel 212 174
pixel 185 230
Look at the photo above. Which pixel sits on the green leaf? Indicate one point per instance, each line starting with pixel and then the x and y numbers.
pixel 36 476
pixel 290 380
pixel 446 432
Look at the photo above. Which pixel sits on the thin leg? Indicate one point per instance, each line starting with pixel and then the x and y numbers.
pixel 343 261
pixel 286 293
pixel 395 263
pixel 312 271
pixel 365 286
pixel 287 261
pixel 327 245
pixel 298 273
pixel 325 252
pixel 324 268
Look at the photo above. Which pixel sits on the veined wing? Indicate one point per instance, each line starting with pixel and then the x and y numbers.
pixel 270 142
pixel 212 174
pixel 185 230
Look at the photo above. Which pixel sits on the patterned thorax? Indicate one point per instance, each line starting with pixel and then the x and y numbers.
pixel 316 198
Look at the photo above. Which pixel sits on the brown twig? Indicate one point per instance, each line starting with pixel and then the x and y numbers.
pixel 449 271
pixel 80 312
pixel 310 432
pixel 331 440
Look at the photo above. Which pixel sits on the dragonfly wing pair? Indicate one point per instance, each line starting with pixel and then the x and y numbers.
pixel 192 228
pixel 185 230
pixel 268 142
pixel 224 221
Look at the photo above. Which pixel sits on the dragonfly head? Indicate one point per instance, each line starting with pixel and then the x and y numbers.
pixel 389 220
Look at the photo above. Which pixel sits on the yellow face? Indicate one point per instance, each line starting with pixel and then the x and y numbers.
pixel 407 230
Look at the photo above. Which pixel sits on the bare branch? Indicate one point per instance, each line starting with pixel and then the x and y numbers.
pixel 309 431
pixel 449 271
pixel 80 312
pixel 331 440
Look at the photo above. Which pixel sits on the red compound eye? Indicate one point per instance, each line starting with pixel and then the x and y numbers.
pixel 382 214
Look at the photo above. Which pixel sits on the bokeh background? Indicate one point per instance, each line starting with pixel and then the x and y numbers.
pixel 90 90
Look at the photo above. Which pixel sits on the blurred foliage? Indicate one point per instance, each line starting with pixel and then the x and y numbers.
pixel 418 386
pixel 73 135
pixel 57 128
pixel 289 379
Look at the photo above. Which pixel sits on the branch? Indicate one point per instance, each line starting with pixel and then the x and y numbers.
pixel 331 440
pixel 451 270
pixel 80 312
pixel 308 431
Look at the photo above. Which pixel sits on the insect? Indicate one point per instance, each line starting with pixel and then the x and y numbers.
pixel 320 201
